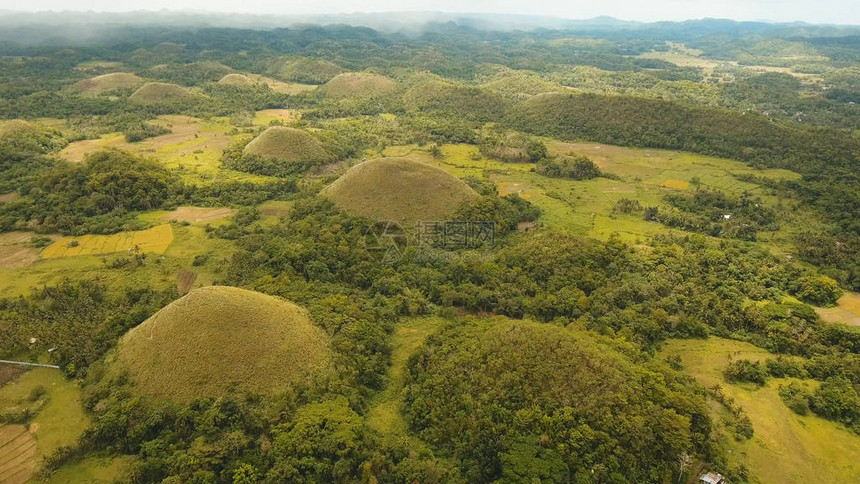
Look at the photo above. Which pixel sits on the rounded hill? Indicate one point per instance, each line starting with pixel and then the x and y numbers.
pixel 238 80
pixel 400 190
pixel 108 82
pixel 305 70
pixel 160 92
pixel 287 144
pixel 512 395
pixel 221 339
pixel 358 84
pixel 456 100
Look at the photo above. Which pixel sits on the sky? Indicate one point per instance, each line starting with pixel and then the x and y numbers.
pixel 820 11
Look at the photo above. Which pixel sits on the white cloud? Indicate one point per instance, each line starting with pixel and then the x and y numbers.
pixel 825 11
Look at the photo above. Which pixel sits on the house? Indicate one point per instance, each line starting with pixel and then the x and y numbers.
pixel 712 478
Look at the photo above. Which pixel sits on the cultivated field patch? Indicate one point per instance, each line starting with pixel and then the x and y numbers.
pixel 17 454
pixel 676 184
pixel 16 250
pixel 154 240
pixel 59 420
pixel 187 135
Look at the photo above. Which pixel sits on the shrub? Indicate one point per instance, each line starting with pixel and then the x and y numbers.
pixel 568 166
pixel 746 371
pixel 818 290
pixel 796 398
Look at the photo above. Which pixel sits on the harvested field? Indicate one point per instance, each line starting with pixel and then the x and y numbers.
pixel 197 214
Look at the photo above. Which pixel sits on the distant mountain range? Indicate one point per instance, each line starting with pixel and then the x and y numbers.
pixel 81 27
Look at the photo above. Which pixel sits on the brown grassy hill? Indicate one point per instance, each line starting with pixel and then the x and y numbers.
pixel 399 190
pixel 457 100
pixel 358 84
pixel 287 144
pixel 517 85
pixel 107 82
pixel 160 92
pixel 304 69
pixel 220 339
pixel 238 80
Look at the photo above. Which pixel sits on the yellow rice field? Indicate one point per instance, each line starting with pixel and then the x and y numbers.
pixel 676 184
pixel 156 240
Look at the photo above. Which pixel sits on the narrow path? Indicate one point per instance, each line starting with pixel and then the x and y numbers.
pixel 384 414
pixel 24 363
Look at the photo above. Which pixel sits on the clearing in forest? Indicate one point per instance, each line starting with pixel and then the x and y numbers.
pixel 384 415
pixel 847 310
pixel 785 447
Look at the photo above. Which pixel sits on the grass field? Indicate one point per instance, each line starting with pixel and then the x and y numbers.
pixel 847 310
pixel 154 240
pixel 585 207
pixel 59 419
pixel 91 470
pixel 384 414
pixel 689 59
pixel 219 339
pixel 193 147
pixel 266 116
pixel 188 242
pixel 786 447
pixel 98 65
pixel 275 208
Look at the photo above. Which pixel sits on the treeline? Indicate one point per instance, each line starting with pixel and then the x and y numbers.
pixel 105 193
pixel 631 121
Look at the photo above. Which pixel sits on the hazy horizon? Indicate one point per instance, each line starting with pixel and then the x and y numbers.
pixel 838 12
